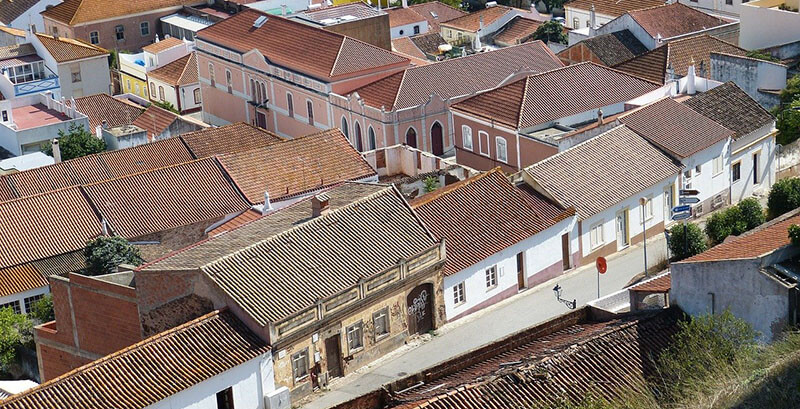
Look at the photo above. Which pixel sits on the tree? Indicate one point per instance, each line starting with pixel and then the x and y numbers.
pixel 752 213
pixel 76 142
pixel 787 122
pixel 43 309
pixel 550 31
pixel 15 330
pixel 104 254
pixel 783 197
pixel 549 5
pixel 166 105
pixel 794 234
pixel 734 220
pixel 678 241
pixel 791 92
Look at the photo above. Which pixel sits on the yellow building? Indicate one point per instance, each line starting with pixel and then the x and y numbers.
pixel 132 75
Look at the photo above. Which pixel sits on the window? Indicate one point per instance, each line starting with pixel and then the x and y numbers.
pixel 120 31
pixel 55 31
pixel 576 23
pixel 372 142
pixel 718 165
pixel 491 277
pixel 345 129
pixel 647 213
pixel 290 104
pixel 416 29
pixel 357 136
pixel 144 28
pixel 128 84
pixel 94 37
pixel 729 2
pixel 14 305
pixel 355 337
pixel 152 62
pixel 466 137
pixel 310 109
pixel 502 152
pixel 136 87
pixel 229 81
pixel 483 142
pixel 253 91
pixel 263 94
pixel 459 36
pixel 736 171
pixel 588 24
pixel 458 294
pixel 411 137
pixel 756 176
pixel 76 75
pixel 5 116
pixel 449 33
pixel 300 364
pixel 698 169
pixel 152 89
pixel 212 76
pixel 401 32
pixel 596 236
pixel 197 98
pixel 380 321
pixel 161 93
pixel 30 301
pixel 225 399
pixel 687 179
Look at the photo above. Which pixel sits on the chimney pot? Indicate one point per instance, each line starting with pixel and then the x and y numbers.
pixel 56 151
pixel 319 205
pixel 600 116
pixel 267 203
pixel 405 4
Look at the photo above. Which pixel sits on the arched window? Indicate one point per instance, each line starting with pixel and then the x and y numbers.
pixel 310 109
pixel 345 129
pixel 372 142
pixel 290 104
pixel 152 90
pixel 437 139
pixel 357 132
pixel 229 81
pixel 161 93
pixel 411 137
pixel 212 76
pixel 253 90
pixel 466 137
pixel 263 93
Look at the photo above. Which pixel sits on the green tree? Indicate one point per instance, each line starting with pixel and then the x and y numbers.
pixel 15 330
pixel 734 220
pixel 752 213
pixel 166 105
pixel 104 254
pixel 787 121
pixel 76 142
pixel 549 5
pixel 550 31
pixel 678 241
pixel 43 309
pixel 783 197
pixel 794 234
pixel 791 92
pixel 431 183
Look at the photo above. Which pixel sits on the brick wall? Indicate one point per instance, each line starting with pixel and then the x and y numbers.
pixel 57 362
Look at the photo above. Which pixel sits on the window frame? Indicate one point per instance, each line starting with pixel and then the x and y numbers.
pixel 212 75
pixel 497 144
pixel 383 314
pixel 229 80
pixel 466 135
pixel 94 37
pixel 74 75
pixel 756 167
pixel 161 95
pixel 736 171
pixel 295 358
pixel 490 277
pixel 119 31
pixel 142 26
pixel 14 305
pixel 459 294
pixel 717 161
pixel 372 139
pixel 198 98
pixel 152 89
pixel 647 212
pixel 576 23
pixel 481 134
pixel 310 111
pixel 345 127
pixel 225 398
pixel 29 301
pixel 599 241
pixel 355 332
pixel 290 104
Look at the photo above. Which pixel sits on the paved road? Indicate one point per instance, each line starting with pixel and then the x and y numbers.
pixel 511 315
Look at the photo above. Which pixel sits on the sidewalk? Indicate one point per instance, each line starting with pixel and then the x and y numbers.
pixel 516 313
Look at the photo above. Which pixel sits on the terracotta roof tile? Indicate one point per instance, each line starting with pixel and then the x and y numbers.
pixel 18 279
pixel 471 21
pixel 584 177
pixel 731 107
pixel 18 50
pixel 46 225
pixel 674 19
pixel 404 45
pixel 155 120
pixel 399 16
pixel 517 30
pixel 104 107
pixel 483 215
pixel 613 8
pixel 151 370
pixel 60 264
pixel 145 157
pixel 10 10
pixel 651 65
pixel 675 127
pixel 285 42
pixel 475 73
pixel 240 220
pixel 174 196
pixel 69 49
pixel 73 12
pixel 658 284
pixel 614 48
pixel 296 166
pixel 235 137
pixel 556 94
pixel 6 191
pixel 436 13
pixel 428 43
pixel 13 31
pixel 163 45
pixel 182 71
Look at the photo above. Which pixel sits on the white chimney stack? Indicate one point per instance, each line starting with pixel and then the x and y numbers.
pixel 592 21
pixel 267 204
pixel 56 151
pixel 480 22
pixel 690 88
pixel 405 4
pixel 283 10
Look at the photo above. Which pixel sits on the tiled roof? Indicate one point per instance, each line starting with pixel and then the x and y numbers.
pixel 675 127
pixel 613 8
pixel 235 137
pixel 296 166
pixel 356 9
pixel 436 13
pixel 753 244
pixel 476 72
pixel 674 19
pixel 151 370
pixel 16 51
pixel 517 30
pixel 399 16
pixel 100 107
pixel 60 264
pixel 18 279
pixel 658 284
pixel 72 12
pixel 237 221
pixel 610 360
pixel 286 43
pixel 175 196
pixel 46 225
pixel 13 31
pixel 404 45
pixel 163 45
pixel 481 216
pixel 69 49
pixel 155 120
pixel 586 176
pixel 471 22
pixel 182 71
pixel 429 42
pixel 680 54
pixel 556 94
pixel 731 107
pixel 615 47
pixel 6 191
pixel 10 10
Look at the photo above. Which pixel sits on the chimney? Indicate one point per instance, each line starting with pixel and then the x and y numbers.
pixel 156 39
pixel 479 21
pixel 600 116
pixel 592 20
pixel 283 10
pixel 104 224
pixel 267 204
pixel 405 4
pixel 701 69
pixel 319 205
pixel 690 86
pixel 56 151
pixel 105 124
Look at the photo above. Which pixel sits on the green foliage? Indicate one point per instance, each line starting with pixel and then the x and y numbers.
pixel 791 92
pixel 794 234
pixel 431 184
pixel 551 31
pixel 104 254
pixel 15 330
pixel 787 121
pixel 762 56
pixel 76 142
pixel 451 3
pixel 677 243
pixel 734 220
pixel 43 309
pixel 166 105
pixel 549 5
pixel 783 197
pixel 752 213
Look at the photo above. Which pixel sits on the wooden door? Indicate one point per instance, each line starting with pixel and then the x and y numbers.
pixel 333 356
pixel 565 251
pixel 437 140
pixel 521 270
pixel 420 309
pixel 261 120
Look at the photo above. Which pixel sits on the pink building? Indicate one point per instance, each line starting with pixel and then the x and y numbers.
pixel 413 106
pixel 278 73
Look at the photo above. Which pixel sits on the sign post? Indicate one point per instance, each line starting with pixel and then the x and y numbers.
pixel 602 266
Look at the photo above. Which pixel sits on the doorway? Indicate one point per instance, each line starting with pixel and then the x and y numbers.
pixel 333 356
pixel 411 138
pixel 520 271
pixel 420 310
pixel 565 251
pixel 622 229
pixel 437 139
pixel 261 120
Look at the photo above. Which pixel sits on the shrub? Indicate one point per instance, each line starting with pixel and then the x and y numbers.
pixel 43 309
pixel 783 197
pixel 734 220
pixel 15 330
pixel 787 122
pixel 677 243
pixel 752 213
pixel 794 234
pixel 76 142
pixel 104 254
pixel 431 183
pixel 550 31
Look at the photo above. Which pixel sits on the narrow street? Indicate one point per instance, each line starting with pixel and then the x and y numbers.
pixel 521 311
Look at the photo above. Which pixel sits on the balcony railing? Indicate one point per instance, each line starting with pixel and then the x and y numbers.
pixel 34 87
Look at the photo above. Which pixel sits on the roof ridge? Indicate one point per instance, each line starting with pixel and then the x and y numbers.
pixel 444 191
pixel 564 152
pixel 399 88
pixel 338 55
pixel 174 165
pixel 49 192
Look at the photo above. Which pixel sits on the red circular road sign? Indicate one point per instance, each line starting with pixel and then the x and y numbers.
pixel 601 265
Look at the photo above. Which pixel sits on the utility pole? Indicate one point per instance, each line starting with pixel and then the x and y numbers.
pixel 643 201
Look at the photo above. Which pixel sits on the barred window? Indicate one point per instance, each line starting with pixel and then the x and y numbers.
pixel 355 337
pixel 300 364
pixel 14 305
pixel 30 301
pixel 380 320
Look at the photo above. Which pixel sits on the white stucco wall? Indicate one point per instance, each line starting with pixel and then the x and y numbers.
pixel 95 77
pixel 715 6
pixel 169 92
pixel 251 381
pixel 408 29
pixel 783 27
pixel 570 14
pixel 624 22
pixel 541 251
pixel 187 97
pixel 761 141
pixel 33 16
pixel 707 183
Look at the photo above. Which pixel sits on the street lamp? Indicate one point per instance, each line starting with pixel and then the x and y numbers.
pixel 643 201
